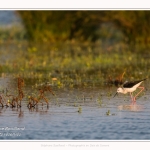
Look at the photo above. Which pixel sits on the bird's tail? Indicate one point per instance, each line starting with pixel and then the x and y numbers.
pixel 144 79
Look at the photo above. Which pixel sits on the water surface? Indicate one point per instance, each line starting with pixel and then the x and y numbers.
pixel 88 113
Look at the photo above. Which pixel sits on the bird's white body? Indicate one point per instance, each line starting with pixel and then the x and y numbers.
pixel 129 87
pixel 126 90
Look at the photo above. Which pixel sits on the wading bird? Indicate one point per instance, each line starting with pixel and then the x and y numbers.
pixel 129 87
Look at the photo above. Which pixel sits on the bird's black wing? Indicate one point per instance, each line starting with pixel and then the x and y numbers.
pixel 131 84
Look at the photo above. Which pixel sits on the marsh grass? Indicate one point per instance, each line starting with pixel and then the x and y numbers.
pixel 72 66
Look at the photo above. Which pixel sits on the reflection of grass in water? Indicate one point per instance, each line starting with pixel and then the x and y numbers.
pixel 73 66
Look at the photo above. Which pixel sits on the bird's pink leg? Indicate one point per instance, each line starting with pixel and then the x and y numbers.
pixel 132 98
pixel 138 93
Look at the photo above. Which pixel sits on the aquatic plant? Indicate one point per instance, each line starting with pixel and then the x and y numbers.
pixel 13 101
pixel 108 113
pixel 117 81
pixel 2 100
pixel 33 101
pixel 79 109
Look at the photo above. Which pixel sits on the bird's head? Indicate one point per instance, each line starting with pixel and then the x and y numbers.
pixel 119 90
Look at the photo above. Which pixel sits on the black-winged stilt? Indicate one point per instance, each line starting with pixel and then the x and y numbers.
pixel 129 87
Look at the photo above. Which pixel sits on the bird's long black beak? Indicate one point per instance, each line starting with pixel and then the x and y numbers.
pixel 115 94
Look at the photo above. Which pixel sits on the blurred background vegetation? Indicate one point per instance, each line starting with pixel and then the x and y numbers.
pixel 59 43
pixel 50 26
pixel 131 27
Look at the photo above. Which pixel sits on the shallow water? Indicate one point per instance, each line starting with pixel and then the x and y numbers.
pixel 63 120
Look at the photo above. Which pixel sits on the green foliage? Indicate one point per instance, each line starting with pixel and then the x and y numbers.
pixel 48 26
pixel 73 65
pixel 14 33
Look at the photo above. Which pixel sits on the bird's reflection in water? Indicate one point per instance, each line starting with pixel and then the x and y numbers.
pixel 131 107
